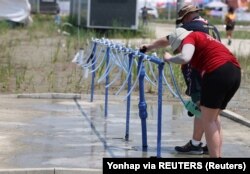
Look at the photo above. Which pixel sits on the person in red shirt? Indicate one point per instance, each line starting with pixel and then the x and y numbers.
pixel 220 78
pixel 190 19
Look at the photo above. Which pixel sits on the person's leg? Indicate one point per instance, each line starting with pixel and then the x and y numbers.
pixel 218 87
pixel 220 130
pixel 192 80
pixel 195 89
pixel 229 36
pixel 212 129
pixel 198 129
pixel 198 132
pixel 229 33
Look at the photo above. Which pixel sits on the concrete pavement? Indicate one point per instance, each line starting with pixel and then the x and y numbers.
pixel 71 135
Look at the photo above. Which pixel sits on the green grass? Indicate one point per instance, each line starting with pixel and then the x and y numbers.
pixel 237 34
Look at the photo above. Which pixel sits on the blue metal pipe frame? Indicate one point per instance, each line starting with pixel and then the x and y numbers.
pixel 142 102
pixel 160 68
pixel 93 73
pixel 107 82
pixel 131 55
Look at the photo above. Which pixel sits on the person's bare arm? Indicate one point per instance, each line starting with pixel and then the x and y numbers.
pixel 159 43
pixel 184 57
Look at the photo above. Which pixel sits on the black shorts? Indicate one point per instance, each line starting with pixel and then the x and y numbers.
pixel 219 86
pixel 230 27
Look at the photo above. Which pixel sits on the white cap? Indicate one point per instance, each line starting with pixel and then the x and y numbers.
pixel 176 37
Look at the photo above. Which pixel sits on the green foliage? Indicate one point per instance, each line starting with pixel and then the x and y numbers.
pixel 4 26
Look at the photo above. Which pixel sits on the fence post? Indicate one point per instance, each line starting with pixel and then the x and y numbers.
pixel 107 82
pixel 142 104
pixel 128 98
pixel 93 73
pixel 160 68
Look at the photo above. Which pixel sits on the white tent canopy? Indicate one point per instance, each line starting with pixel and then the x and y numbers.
pixel 216 4
pixel 15 10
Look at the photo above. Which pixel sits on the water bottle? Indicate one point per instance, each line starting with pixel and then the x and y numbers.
pixel 193 108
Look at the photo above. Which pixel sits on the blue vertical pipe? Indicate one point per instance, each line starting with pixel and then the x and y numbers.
pixel 160 68
pixel 93 73
pixel 107 82
pixel 142 104
pixel 128 98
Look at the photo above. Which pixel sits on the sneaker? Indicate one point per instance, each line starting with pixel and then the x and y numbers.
pixel 189 148
pixel 205 149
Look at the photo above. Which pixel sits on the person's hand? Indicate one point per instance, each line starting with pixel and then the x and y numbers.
pixel 143 48
pixel 167 56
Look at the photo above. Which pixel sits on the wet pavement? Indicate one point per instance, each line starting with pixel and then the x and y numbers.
pixel 74 133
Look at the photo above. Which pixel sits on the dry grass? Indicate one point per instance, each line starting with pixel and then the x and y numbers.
pixel 38 58
pixel 34 59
